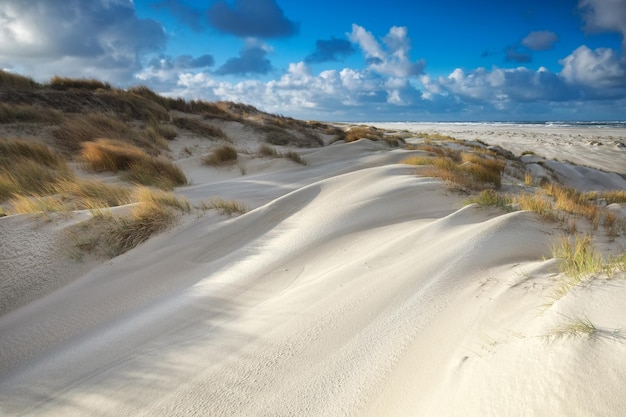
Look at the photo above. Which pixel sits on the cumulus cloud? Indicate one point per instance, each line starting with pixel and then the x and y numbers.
pixel 98 38
pixel 604 16
pixel 540 40
pixel 500 86
pixel 192 17
pixel 251 18
pixel 347 94
pixel 252 60
pixel 394 59
pixel 330 50
pixel 601 70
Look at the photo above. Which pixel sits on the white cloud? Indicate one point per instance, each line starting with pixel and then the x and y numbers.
pixel 601 70
pixel 366 41
pixel 500 86
pixel 395 60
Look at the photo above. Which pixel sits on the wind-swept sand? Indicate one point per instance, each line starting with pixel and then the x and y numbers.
pixel 354 288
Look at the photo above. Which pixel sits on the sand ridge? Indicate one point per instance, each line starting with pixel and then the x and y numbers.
pixel 353 288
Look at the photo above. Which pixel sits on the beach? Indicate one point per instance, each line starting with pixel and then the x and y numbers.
pixel 353 286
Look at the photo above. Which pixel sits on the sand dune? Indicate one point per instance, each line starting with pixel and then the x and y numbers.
pixel 353 288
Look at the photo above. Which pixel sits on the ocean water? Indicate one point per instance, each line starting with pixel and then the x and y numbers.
pixel 555 124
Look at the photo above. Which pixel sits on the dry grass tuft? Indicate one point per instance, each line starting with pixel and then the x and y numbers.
pixel 91 194
pixel 64 83
pixel 138 166
pixel 16 81
pixel 268 151
pixel 76 130
pixel 145 220
pixel 363 132
pixel 23 113
pixel 228 207
pixel 223 155
pixel 571 201
pixel 491 198
pixel 475 172
pixel 29 168
pixel 537 203
pixel 295 157
pixel 578 258
pixel 157 172
pixel 110 155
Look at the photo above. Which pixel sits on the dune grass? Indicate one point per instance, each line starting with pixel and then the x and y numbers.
pixel 25 113
pixel 65 83
pixel 220 156
pixel 227 207
pixel 28 167
pixel 467 170
pixel 363 132
pixel 157 172
pixel 268 151
pixel 575 327
pixel 110 155
pixel 295 157
pixel 578 258
pixel 83 128
pixel 137 166
pixel 155 212
pixel 199 127
pixel 91 194
pixel 16 81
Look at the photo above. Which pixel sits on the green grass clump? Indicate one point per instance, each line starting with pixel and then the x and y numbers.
pixel 223 155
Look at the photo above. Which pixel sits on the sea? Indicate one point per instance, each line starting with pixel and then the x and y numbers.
pixel 556 124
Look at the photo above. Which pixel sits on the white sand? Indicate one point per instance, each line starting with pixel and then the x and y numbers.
pixel 354 288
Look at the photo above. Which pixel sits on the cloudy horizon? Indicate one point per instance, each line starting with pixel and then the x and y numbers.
pixel 366 61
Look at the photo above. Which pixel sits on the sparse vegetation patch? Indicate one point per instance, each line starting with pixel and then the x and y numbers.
pixel 223 155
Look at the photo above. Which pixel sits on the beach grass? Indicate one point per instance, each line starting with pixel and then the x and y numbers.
pixel 222 155
pixel 29 167
pixel 199 127
pixel 295 157
pixel 227 207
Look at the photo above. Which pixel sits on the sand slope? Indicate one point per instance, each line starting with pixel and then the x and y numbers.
pixel 354 288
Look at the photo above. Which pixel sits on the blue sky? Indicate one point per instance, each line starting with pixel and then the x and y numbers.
pixel 445 60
